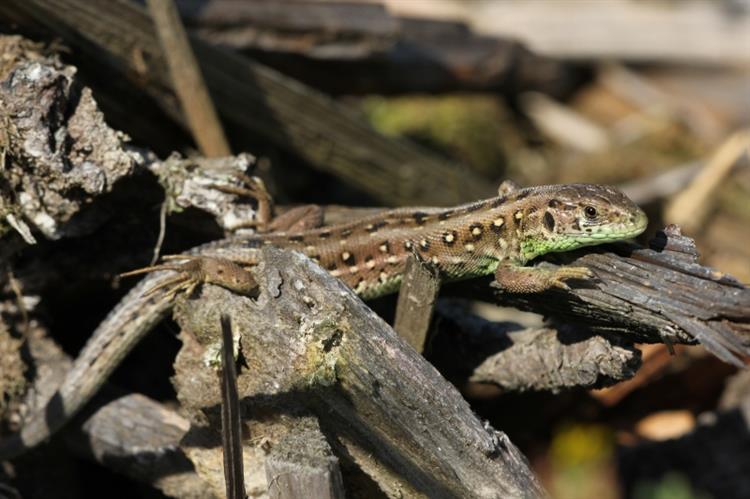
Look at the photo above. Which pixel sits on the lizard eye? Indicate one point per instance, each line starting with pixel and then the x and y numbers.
pixel 590 212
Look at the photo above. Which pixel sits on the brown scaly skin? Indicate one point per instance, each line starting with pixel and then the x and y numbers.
pixel 497 235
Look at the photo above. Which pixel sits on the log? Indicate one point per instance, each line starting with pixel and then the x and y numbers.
pixel 309 341
pixel 468 348
pixel 131 434
pixel 316 42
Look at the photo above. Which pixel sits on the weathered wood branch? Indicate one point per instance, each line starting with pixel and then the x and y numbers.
pixel 309 338
pixel 416 300
pixel 316 42
pixel 255 101
pixel 302 465
pixel 469 348
pixel 655 295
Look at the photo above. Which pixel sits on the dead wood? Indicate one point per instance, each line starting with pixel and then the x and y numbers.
pixel 416 299
pixel 132 435
pixel 58 152
pixel 187 80
pixel 318 42
pixel 255 101
pixel 659 294
pixel 302 465
pixel 466 347
pixel 308 340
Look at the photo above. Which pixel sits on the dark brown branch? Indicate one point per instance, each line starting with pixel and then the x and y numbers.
pixel 379 53
pixel 231 433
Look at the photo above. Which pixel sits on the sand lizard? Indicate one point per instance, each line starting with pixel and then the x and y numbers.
pixel 497 235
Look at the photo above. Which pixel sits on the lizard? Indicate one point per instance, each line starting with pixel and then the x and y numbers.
pixel 499 236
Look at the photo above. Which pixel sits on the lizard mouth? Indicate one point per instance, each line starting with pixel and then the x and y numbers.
pixel 615 232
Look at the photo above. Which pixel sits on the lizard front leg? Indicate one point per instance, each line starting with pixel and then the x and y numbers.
pixel 518 279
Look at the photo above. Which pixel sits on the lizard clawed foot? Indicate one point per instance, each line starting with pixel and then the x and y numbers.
pixel 559 276
pixel 516 279
pixel 195 270
pixel 253 188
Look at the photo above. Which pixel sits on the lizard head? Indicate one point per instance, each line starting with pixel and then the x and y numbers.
pixel 578 215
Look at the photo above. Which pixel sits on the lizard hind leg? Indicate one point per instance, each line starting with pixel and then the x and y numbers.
pixel 253 188
pixel 188 276
pixel 198 269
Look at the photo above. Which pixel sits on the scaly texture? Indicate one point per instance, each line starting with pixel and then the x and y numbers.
pixel 495 235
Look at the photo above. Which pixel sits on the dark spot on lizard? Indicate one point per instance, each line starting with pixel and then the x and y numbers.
pixel 424 244
pixel 420 217
pixel 325 234
pixel 553 203
pixel 297 239
pixel 374 227
pixel 348 258
pixel 549 221
pixel 523 194
pixel 445 215
pixel 346 232
pixel 576 225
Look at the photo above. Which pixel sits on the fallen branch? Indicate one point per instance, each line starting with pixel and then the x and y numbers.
pixel 654 295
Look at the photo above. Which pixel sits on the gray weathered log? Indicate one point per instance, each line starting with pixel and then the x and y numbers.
pixel 416 300
pixel 302 465
pixel 524 359
pixel 140 438
pixel 255 101
pixel 310 337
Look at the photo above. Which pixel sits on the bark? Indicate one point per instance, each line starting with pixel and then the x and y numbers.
pixel 468 348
